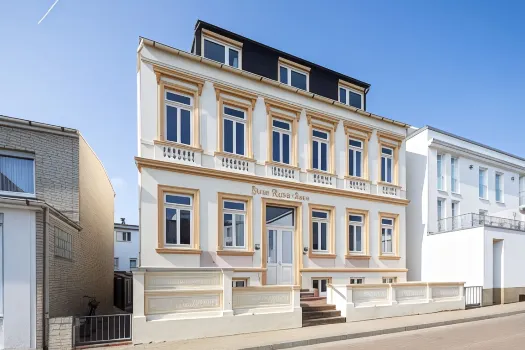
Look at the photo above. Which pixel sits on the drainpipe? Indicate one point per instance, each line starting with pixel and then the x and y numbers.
pixel 45 286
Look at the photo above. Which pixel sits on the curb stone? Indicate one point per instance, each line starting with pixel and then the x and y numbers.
pixel 334 338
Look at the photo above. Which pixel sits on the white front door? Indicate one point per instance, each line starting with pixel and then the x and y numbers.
pixel 280 256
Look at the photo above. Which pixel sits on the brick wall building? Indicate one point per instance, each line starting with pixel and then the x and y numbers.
pixel 65 210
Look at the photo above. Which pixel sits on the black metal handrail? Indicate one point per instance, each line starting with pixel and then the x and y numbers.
pixel 466 221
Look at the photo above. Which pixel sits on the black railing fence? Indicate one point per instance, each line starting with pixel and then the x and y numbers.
pixel 472 220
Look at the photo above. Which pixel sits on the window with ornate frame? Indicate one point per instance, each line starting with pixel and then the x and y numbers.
pixel 178 106
pixel 322 231
pixel 389 145
pixel 178 220
pixel 321 142
pixel 282 119
pixel 357 239
pixel 389 236
pixel 357 138
pixel 234 224
pixel 235 112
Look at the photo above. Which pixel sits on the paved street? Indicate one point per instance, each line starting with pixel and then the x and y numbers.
pixel 502 333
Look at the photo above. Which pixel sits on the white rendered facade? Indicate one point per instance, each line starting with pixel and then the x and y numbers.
pixel 18 280
pixel 473 191
pixel 252 189
pixel 127 249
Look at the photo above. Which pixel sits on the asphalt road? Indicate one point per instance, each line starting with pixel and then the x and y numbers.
pixel 505 333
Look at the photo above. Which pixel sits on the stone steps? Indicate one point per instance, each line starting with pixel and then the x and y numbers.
pixel 316 311
pixel 320 321
pixel 313 308
pixel 321 314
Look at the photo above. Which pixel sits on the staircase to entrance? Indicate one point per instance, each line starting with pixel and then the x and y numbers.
pixel 317 312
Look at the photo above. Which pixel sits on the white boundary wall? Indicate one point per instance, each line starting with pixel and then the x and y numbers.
pixel 359 302
pixel 186 303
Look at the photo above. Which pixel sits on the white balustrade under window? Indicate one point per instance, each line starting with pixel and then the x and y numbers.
pixel 282 172
pixel 232 163
pixel 390 191
pixel 358 185
pixel 176 154
pixel 322 179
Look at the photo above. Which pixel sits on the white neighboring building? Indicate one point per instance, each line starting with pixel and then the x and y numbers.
pixel 127 251
pixel 464 221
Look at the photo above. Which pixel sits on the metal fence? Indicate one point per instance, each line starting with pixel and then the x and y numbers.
pixel 473 296
pixel 466 221
pixel 102 329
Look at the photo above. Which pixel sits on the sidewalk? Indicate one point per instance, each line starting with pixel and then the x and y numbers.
pixel 329 333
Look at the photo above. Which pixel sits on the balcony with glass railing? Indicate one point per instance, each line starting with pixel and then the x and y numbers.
pixel 472 220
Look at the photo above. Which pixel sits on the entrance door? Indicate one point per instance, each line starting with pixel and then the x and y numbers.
pixel 280 256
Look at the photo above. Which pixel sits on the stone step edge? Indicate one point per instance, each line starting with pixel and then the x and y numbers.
pixel 320 321
pixel 334 338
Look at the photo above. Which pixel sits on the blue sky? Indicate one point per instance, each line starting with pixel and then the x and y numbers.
pixel 455 65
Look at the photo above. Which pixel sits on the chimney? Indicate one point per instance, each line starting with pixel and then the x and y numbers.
pixel 123 221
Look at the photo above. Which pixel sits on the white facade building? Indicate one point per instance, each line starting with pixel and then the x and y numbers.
pixel 127 247
pixel 254 178
pixel 464 221
pixel 18 277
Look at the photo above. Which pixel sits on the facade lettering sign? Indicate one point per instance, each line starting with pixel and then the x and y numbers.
pixel 279 194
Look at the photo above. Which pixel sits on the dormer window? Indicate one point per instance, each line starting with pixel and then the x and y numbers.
pixel 294 74
pixel 221 49
pixel 350 95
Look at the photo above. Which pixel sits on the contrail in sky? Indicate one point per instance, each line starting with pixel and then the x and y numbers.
pixel 48 11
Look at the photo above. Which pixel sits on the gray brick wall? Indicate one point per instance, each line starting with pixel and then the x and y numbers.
pixel 56 165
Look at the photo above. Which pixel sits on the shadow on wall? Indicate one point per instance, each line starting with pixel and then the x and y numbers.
pixel 415 227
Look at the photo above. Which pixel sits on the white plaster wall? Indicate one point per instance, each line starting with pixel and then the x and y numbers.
pixel 127 250
pixel 512 261
pixel 417 209
pixel 19 280
pixel 209 187
pixel 457 256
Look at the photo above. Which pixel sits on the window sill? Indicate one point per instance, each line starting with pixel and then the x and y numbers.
pixel 389 257
pixel 235 253
pixel 322 172
pixel 233 155
pixel 455 193
pixel 357 178
pixel 177 145
pixel 177 251
pixel 442 190
pixel 284 165
pixel 357 257
pixel 383 183
pixel 316 255
pixel 500 202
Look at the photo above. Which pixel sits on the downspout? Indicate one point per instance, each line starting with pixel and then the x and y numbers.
pixel 45 286
pixel 366 93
